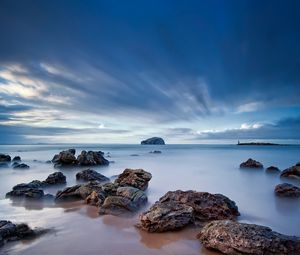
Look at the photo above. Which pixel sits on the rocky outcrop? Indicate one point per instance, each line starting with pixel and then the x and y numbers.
pixel 137 178
pixel 26 191
pixel 3 165
pixel 20 166
pixel 55 178
pixel 166 216
pixel 65 158
pixel 91 175
pixel 153 140
pixel 205 207
pixel 92 158
pixel 16 159
pixel 251 163
pixel 127 199
pixel 292 172
pixel 4 158
pixel 287 190
pixel 234 238
pixel 272 169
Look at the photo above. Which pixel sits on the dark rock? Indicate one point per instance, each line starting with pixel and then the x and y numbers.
pixel 251 163
pixel 292 172
pixel 134 155
pixel 166 216
pixel 20 166
pixel 48 162
pixel 272 169
pixel 137 196
pixel 234 238
pixel 96 198
pixel 137 178
pixel 65 158
pixel 3 165
pixel 27 193
pixel 110 188
pixel 55 178
pixel 155 152
pixel 92 158
pixel 16 158
pixel 4 158
pixel 91 175
pixel 287 190
pixel 206 206
pixel 117 205
pixel 154 140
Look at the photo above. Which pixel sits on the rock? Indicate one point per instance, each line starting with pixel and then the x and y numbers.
pixel 16 158
pixel 137 196
pixel 96 198
pixel 91 175
pixel 3 165
pixel 78 192
pixel 166 216
pixel 27 193
pixel 287 190
pixel 134 155
pixel 4 158
pixel 155 152
pixel 110 188
pixel 206 206
pixel 20 166
pixel 272 169
pixel 92 158
pixel 55 178
pixel 65 158
pixel 137 178
pixel 154 140
pixel 11 232
pixel 234 238
pixel 292 172
pixel 251 163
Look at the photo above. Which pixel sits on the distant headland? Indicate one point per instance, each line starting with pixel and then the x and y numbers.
pixel 257 143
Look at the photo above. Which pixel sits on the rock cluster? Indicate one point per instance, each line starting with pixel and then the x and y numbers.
pixel 90 158
pixel 91 175
pixel 251 163
pixel 234 238
pixel 287 190
pixel 5 161
pixel 177 209
pixel 153 140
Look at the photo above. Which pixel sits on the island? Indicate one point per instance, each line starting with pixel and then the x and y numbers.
pixel 257 143
pixel 153 140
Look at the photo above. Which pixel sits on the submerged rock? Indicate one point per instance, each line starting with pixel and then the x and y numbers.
pixel 92 158
pixel 204 207
pixel 155 152
pixel 4 158
pixel 153 140
pixel 234 238
pixel 55 178
pixel 287 190
pixel 137 178
pixel 91 175
pixel 166 216
pixel 65 158
pixel 16 158
pixel 251 163
pixel 3 165
pixel 272 169
pixel 20 166
pixel 27 193
pixel 292 172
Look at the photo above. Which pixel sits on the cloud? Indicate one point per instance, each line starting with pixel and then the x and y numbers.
pixel 249 107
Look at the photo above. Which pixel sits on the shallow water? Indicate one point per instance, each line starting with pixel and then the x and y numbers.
pixel 77 229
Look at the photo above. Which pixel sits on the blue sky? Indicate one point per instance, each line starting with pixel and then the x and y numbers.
pixel 120 71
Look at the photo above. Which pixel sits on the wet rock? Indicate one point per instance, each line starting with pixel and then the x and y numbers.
pixel 4 158
pixel 292 172
pixel 78 192
pixel 91 175
pixel 272 169
pixel 16 158
pixel 20 166
pixel 92 158
pixel 134 155
pixel 137 196
pixel 110 188
pixel 155 152
pixel 287 190
pixel 153 140
pixel 137 178
pixel 65 158
pixel 251 163
pixel 55 178
pixel 206 206
pixel 234 238
pixel 96 198
pixel 3 165
pixel 27 193
pixel 166 216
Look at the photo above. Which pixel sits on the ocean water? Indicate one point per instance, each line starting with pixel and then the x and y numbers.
pixel 76 228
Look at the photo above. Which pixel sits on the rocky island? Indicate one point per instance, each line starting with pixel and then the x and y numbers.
pixel 153 140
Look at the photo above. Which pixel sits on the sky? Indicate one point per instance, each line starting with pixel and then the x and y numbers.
pixel 121 71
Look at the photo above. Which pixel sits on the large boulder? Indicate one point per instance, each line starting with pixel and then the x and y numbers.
pixel 287 190
pixel 27 193
pixel 16 159
pixel 137 178
pixel 206 206
pixel 91 175
pixel 166 216
pixel 153 140
pixel 4 158
pixel 251 163
pixel 55 178
pixel 92 158
pixel 272 169
pixel 234 238
pixel 292 172
pixel 65 158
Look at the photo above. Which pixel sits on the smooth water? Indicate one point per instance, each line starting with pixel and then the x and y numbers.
pixel 77 229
